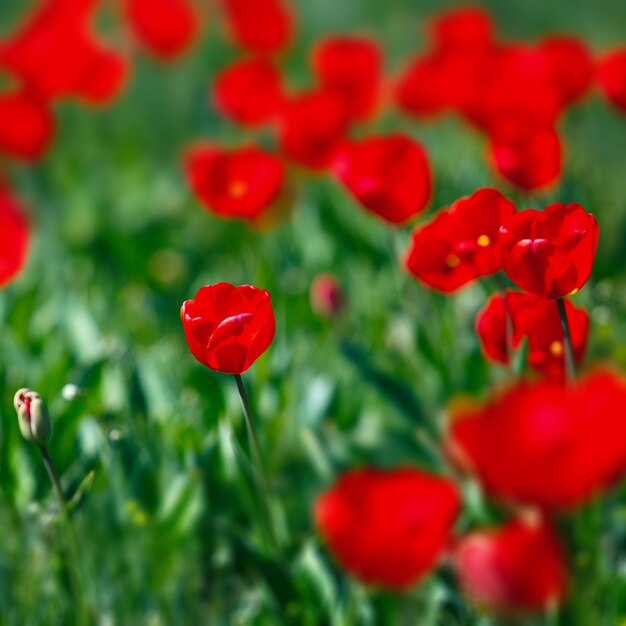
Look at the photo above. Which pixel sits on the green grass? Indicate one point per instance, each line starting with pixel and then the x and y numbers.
pixel 168 529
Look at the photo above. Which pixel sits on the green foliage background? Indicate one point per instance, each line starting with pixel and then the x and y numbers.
pixel 165 522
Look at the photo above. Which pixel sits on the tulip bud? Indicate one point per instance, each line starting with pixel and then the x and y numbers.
pixel 327 298
pixel 32 417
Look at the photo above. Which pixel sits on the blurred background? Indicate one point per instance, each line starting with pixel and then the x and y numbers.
pixel 93 324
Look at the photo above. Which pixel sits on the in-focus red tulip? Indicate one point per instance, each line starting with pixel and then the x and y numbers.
pixel 241 183
pixel 14 237
pixel 351 68
pixel 26 125
pixel 250 92
pixel 165 27
pixel 228 328
pixel 55 53
pixel 530 162
pixel 549 253
pixel 612 77
pixel 388 528
pixel 312 127
pixel 389 176
pixel 327 298
pixel 544 443
pixel 261 26
pixel 460 244
pixel 506 321
pixel 520 566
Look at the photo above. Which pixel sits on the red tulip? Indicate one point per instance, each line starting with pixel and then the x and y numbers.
pixel 14 237
pixel 531 162
pixel 612 77
pixel 26 125
pixel 544 443
pixel 388 528
pixel 389 175
pixel 327 297
pixel 106 80
pixel 351 68
pixel 228 328
pixel 240 183
pixel 312 127
pixel 519 566
pixel 460 244
pixel 262 26
pixel 165 27
pixel 250 92
pixel 549 253
pixel 539 322
pixel 464 29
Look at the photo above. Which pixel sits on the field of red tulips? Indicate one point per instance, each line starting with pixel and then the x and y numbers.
pixel 312 313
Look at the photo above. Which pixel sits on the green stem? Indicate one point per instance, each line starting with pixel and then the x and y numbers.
pixel 263 492
pixel 570 365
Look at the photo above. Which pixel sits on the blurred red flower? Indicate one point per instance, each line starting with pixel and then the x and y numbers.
pixel 312 126
pixel 537 320
pixel 389 175
pixel 388 528
pixel 464 29
pixel 250 92
pixel 612 77
pixel 26 125
pixel 327 298
pixel 228 328
pixel 544 443
pixel 460 244
pixel 165 27
pixel 262 26
pixel 531 161
pixel 351 68
pixel 518 566
pixel 55 54
pixel 241 183
pixel 549 253
pixel 14 236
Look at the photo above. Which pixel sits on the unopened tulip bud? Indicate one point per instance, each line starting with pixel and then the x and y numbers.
pixel 327 298
pixel 32 416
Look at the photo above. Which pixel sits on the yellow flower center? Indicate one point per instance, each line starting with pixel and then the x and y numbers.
pixel 237 189
pixel 556 348
pixel 483 241
pixel 453 261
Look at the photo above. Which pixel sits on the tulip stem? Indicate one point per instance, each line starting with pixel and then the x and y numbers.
pixel 54 477
pixel 263 492
pixel 570 365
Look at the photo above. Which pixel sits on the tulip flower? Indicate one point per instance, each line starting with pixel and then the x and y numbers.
pixel 612 77
pixel 546 444
pixel 520 566
pixel 460 244
pixel 388 528
pixel 537 320
pixel 165 27
pixel 34 421
pixel 311 128
pixel 250 92
pixel 228 328
pixel 549 253
pixel 240 183
pixel 351 68
pixel 14 237
pixel 327 297
pixel 389 175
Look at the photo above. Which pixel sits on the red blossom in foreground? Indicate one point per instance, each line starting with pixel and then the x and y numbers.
pixel 389 176
pixel 56 55
pixel 327 298
pixel 460 244
pixel 261 26
pixel 26 125
pixel 612 77
pixel 388 528
pixel 549 253
pixel 250 92
pixel 240 183
pixel 519 566
pixel 546 444
pixel 351 68
pixel 14 237
pixel 165 27
pixel 228 328
pixel 312 127
pixel 537 320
